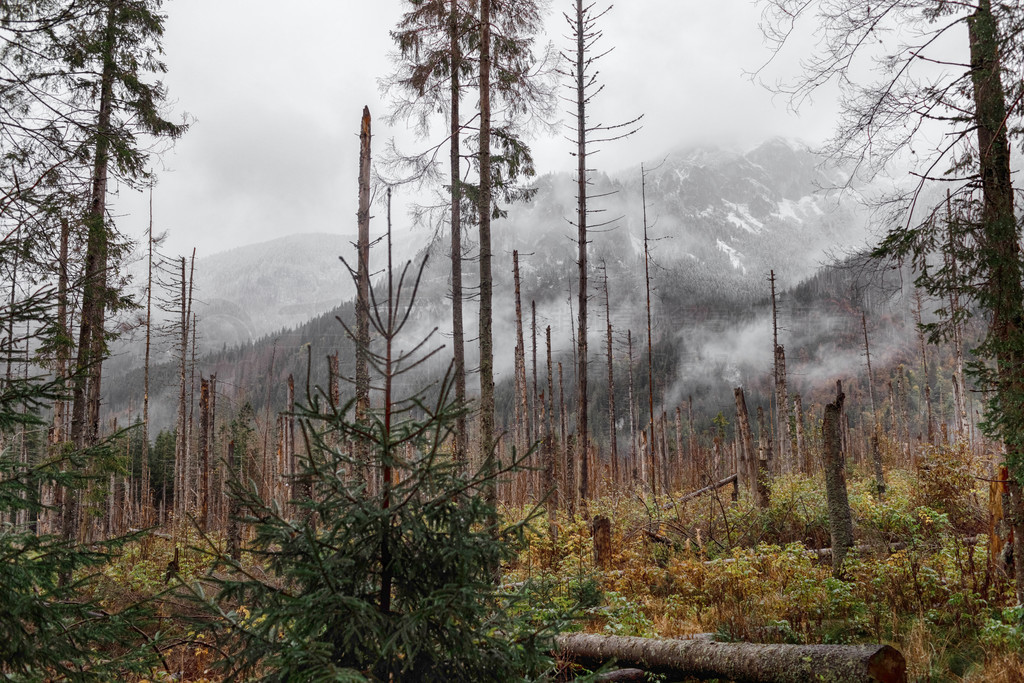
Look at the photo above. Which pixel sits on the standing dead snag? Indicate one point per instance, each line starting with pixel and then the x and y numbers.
pixel 785 451
pixel 363 287
pixel 746 466
pixel 613 440
pixel 741 662
pixel 204 449
pixel 802 459
pixel 234 510
pixel 926 383
pixel 521 401
pixel 550 471
pixel 763 468
pixel 839 518
pixel 602 527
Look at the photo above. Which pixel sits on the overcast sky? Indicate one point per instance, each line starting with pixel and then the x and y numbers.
pixel 276 92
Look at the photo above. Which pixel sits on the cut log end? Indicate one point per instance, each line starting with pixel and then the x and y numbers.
pixel 888 666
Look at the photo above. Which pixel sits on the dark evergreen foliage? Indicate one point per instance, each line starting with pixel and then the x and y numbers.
pixel 381 570
pixel 50 626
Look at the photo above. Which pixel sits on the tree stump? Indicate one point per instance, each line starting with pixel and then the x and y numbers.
pixel 602 542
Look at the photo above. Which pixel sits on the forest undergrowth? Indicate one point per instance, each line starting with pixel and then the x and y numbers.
pixel 920 577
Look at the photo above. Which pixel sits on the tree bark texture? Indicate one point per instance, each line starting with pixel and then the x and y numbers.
pixel 747 465
pixel 91 342
pixel 602 527
pixel 582 435
pixel 740 662
pixel 613 439
pixel 455 174
pixel 484 208
pixel 839 517
pixel 1000 247
pixel 802 457
pixel 785 448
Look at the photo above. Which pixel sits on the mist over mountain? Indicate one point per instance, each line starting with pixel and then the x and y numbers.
pixel 717 220
pixel 252 290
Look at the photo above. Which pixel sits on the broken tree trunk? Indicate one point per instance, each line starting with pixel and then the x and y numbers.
pixel 740 662
pixel 746 467
pixel 839 517
pixel 876 460
pixel 762 468
pixel 802 457
pixel 602 542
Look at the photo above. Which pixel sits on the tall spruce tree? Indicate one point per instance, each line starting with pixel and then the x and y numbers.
pixel 83 81
pixel 441 54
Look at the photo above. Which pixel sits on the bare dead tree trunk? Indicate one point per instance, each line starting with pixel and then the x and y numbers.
pixel 802 455
pixel 613 439
pixel 746 470
pixel 292 470
pixel 876 460
pixel 632 413
pixel 147 499
pixel 362 351
pixel 218 464
pixel 234 530
pixel 959 385
pixel 582 427
pixel 871 377
pixel 785 451
pixel 840 519
pixel 925 382
pixel 650 352
pixel 696 462
pixel 666 472
pixel 902 391
pixel 551 475
pixel 179 442
pixel 568 459
pixel 764 471
pixel 521 402
pixel 191 457
pixel 681 465
pixel 333 379
pixel 534 432
pixel 204 450
pixel 602 530
pixel 786 464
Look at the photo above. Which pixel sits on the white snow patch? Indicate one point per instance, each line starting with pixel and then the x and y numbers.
pixel 741 218
pixel 800 210
pixel 734 256
pixel 636 243
pixel 787 210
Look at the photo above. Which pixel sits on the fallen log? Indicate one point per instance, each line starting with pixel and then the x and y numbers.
pixel 740 662
pixel 731 479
